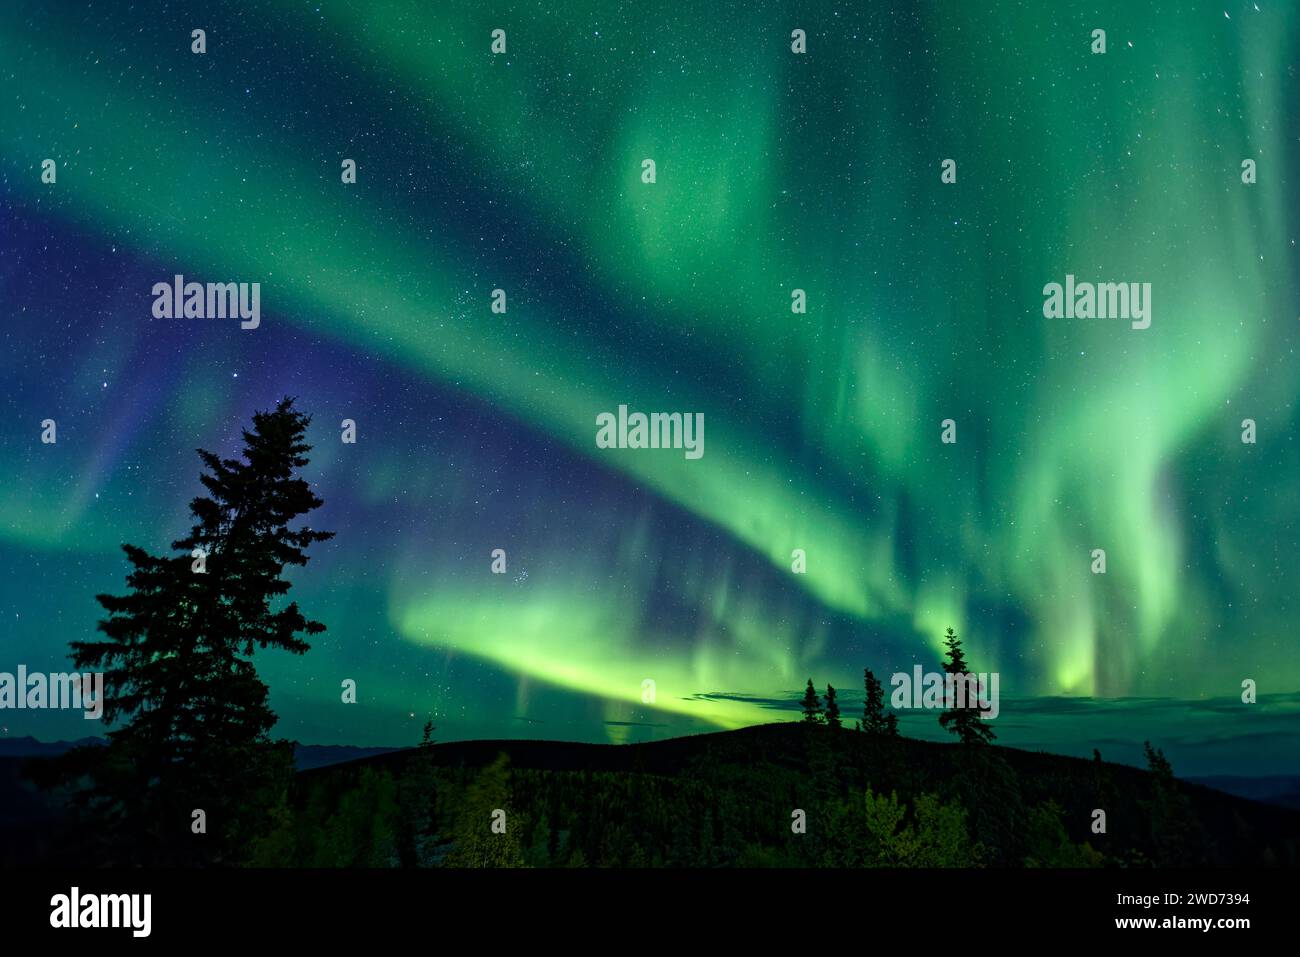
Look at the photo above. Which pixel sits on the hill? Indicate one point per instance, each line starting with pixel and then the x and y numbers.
pixel 771 795
pixel 729 798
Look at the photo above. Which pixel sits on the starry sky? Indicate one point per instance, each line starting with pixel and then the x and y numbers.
pixel 775 171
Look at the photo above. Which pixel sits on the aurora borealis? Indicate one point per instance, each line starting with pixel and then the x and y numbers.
pixel 776 171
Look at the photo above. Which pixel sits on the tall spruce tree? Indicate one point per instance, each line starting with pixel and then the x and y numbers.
pixel 417 795
pixel 875 719
pixel 177 669
pixel 962 718
pixel 1177 836
pixel 812 705
pixel 832 708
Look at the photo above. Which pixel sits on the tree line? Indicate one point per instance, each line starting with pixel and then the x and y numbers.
pixel 961 719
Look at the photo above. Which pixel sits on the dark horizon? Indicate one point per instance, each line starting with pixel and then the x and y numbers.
pixel 1197 737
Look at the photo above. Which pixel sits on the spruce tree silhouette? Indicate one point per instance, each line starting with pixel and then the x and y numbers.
pixel 177 668
pixel 832 708
pixel 875 719
pixel 416 795
pixel 965 722
pixel 1177 835
pixel 812 704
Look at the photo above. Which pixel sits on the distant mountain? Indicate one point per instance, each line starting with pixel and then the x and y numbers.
pixel 1280 789
pixel 31 748
pixel 306 756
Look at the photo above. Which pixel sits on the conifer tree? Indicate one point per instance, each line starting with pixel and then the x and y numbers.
pixel 875 719
pixel 812 705
pixel 176 656
pixel 1177 835
pixel 417 796
pixel 965 722
pixel 832 708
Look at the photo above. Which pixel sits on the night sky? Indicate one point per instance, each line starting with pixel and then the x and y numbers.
pixel 775 171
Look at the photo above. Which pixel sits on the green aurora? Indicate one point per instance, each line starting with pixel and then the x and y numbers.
pixel 775 171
